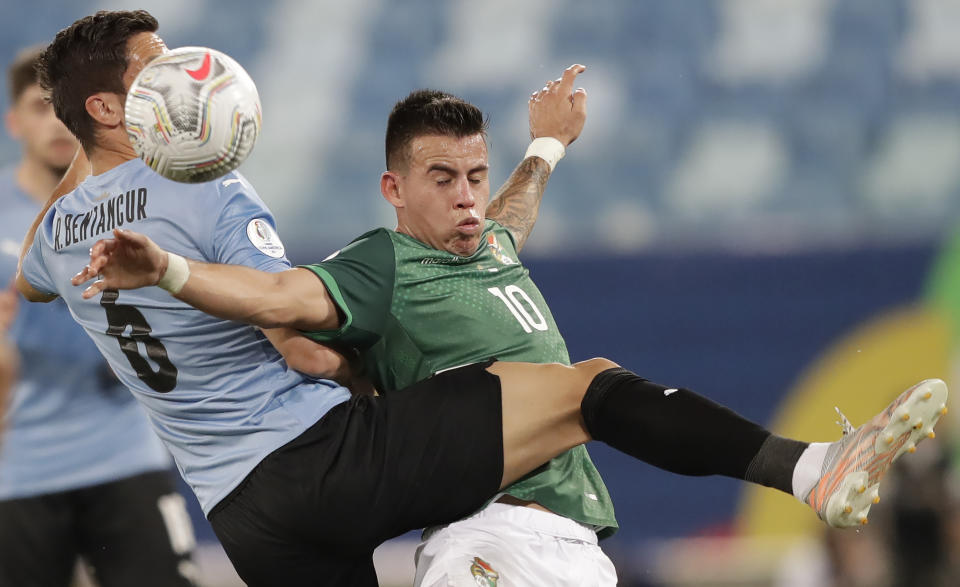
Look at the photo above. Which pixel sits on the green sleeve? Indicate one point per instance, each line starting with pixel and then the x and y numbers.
pixel 360 279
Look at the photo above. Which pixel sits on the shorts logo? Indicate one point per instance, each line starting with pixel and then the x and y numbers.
pixel 265 238
pixel 497 250
pixel 483 573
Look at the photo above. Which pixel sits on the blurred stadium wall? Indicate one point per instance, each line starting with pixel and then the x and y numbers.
pixel 755 208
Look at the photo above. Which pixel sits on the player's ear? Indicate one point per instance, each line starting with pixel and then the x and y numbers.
pixel 105 108
pixel 390 188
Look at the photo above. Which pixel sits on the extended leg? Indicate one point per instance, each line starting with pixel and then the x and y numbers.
pixel 549 408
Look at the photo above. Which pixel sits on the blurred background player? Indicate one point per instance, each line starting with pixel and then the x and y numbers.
pixel 9 360
pixel 81 471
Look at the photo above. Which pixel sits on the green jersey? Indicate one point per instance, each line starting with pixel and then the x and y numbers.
pixel 413 310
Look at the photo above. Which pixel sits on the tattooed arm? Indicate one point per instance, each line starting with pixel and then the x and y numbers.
pixel 518 201
pixel 558 111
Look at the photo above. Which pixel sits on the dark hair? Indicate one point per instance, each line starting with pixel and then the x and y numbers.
pixel 22 72
pixel 429 112
pixel 87 57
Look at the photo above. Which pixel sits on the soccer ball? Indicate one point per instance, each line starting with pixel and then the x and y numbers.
pixel 193 114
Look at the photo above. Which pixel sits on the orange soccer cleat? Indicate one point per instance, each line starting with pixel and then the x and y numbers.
pixel 850 479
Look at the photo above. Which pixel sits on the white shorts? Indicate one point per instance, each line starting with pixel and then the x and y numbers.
pixel 511 546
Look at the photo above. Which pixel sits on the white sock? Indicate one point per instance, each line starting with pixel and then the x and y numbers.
pixel 809 468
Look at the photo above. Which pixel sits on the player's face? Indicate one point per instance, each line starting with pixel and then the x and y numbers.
pixel 142 48
pixel 44 138
pixel 445 192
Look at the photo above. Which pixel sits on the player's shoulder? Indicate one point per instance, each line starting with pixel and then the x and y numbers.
pixel 228 187
pixel 233 189
pixel 377 235
pixel 233 182
pixel 373 249
pixel 372 241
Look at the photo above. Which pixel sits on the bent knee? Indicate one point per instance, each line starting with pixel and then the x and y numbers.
pixel 592 367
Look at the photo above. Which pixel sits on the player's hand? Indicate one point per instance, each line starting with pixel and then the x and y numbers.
pixel 127 261
pixel 557 110
pixel 8 308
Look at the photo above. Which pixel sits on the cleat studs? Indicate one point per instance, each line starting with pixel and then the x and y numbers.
pixel 905 417
pixel 943 411
pixel 918 424
pixel 864 521
pixel 931 434
pixel 861 489
pixel 928 395
pixel 848 510
pixel 912 448
pixel 876 499
pixel 889 438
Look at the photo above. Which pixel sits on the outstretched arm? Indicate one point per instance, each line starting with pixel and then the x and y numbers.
pixel 78 170
pixel 293 298
pixel 518 201
pixel 556 111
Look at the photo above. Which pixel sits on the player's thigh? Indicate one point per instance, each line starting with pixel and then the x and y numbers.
pixel 541 411
pixel 36 541
pixel 441 443
pixel 265 555
pixel 508 554
pixel 136 531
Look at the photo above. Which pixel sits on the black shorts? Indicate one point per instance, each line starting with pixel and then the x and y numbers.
pixel 312 512
pixel 119 528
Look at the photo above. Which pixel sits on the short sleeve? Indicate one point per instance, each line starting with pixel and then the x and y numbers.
pixel 360 279
pixel 35 269
pixel 245 232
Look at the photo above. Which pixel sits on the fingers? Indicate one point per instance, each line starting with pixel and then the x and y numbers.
pixel 557 110
pixel 130 237
pixel 95 288
pixel 569 76
pixel 561 87
pixel 99 256
pixel 579 99
pixel 86 274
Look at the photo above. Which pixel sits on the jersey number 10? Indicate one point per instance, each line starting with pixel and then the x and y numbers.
pixel 512 297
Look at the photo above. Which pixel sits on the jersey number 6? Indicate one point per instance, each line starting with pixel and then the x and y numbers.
pixel 119 317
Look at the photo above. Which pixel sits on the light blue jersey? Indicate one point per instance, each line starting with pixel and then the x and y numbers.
pixel 71 424
pixel 217 392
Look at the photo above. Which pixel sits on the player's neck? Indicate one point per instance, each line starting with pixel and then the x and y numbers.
pixel 105 157
pixel 36 178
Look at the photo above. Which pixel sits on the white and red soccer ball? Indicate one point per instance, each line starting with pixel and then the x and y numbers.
pixel 193 114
